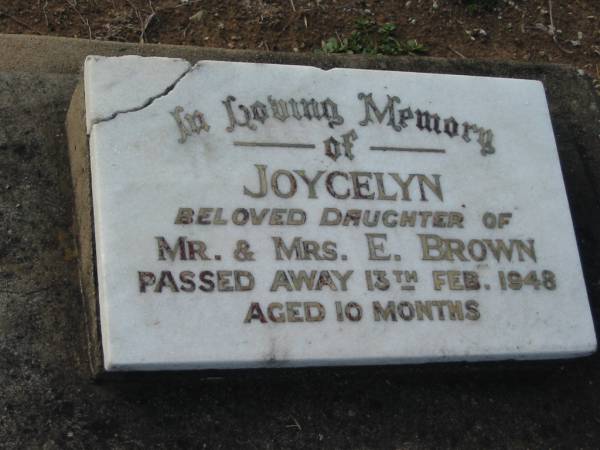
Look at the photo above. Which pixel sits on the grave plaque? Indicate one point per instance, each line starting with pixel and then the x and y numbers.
pixel 255 215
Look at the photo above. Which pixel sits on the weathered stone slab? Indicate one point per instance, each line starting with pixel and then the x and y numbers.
pixel 252 215
pixel 48 400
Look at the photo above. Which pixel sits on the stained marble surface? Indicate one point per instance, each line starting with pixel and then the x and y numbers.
pixel 484 150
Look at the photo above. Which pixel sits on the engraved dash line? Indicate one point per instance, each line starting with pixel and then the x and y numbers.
pixel 407 288
pixel 272 144
pixel 408 149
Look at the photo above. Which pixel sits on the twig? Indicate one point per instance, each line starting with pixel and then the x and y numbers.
pixel 146 23
pixel 293 6
pixel 86 22
pixel 180 5
pixel 523 22
pixel 185 30
pixel 338 36
pixel 295 424
pixel 553 30
pixel 551 18
pixel 143 22
pixel 23 24
pixel 44 11
pixel 457 52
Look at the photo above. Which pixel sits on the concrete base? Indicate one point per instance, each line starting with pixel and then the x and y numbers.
pixel 47 397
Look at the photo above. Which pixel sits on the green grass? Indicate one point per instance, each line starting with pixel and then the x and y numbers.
pixel 480 6
pixel 371 38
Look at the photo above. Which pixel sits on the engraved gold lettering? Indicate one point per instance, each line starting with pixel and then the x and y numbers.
pixel 262 181
pixel 375 248
pixel 255 313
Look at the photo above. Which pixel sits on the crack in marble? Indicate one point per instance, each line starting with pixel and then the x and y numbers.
pixel 148 102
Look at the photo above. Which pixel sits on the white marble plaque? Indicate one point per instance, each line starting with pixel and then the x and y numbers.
pixel 255 215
